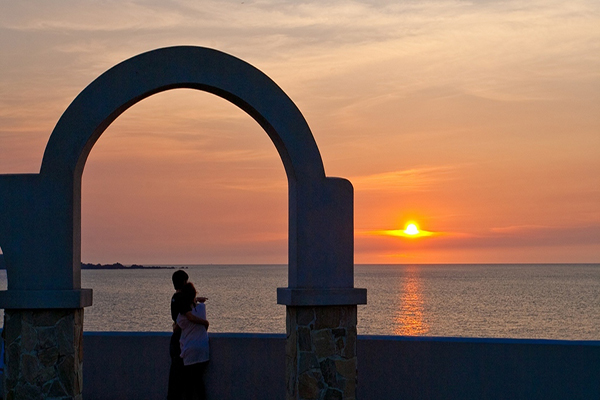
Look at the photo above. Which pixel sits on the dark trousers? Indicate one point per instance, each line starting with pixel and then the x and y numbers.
pixel 194 381
pixel 176 372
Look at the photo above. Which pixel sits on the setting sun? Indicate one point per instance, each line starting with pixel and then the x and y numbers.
pixel 411 229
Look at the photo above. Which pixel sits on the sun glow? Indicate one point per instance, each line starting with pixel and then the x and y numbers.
pixel 411 230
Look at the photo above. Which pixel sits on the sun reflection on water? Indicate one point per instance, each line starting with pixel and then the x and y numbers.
pixel 409 319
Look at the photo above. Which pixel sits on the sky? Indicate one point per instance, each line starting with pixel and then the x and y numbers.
pixel 477 120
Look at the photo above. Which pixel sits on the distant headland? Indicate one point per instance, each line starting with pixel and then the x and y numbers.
pixel 121 266
pixel 105 266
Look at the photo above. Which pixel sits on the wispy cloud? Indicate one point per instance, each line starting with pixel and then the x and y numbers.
pixel 414 179
pixel 520 229
pixel 92 16
pixel 511 238
pixel 502 50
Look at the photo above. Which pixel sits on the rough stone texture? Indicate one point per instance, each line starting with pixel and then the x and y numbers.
pixel 321 352
pixel 44 354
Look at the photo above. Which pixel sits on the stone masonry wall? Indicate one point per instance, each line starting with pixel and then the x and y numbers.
pixel 321 353
pixel 43 354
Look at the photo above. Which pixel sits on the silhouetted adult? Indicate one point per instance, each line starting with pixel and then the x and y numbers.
pixel 193 343
pixel 176 373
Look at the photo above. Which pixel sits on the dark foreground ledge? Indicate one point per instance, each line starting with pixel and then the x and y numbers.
pixel 125 365
pixel 252 366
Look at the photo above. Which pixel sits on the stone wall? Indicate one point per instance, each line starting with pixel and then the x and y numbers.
pixel 248 366
pixel 43 354
pixel 252 366
pixel 242 366
pixel 321 347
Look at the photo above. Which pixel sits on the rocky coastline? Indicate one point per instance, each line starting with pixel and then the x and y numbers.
pixel 105 266
pixel 121 266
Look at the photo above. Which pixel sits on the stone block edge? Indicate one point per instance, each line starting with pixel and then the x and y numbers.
pixel 45 299
pixel 321 297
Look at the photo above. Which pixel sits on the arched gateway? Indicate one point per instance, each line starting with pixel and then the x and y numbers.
pixel 40 230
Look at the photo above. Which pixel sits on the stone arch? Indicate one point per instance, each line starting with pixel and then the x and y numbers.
pixel 183 67
pixel 320 248
pixel 40 218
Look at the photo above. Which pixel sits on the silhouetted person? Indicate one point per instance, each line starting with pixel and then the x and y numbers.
pixel 193 343
pixel 176 378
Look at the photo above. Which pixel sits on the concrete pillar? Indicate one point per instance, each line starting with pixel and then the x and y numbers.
pixel 321 352
pixel 43 353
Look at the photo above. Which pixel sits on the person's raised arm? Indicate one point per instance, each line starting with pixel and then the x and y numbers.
pixel 197 320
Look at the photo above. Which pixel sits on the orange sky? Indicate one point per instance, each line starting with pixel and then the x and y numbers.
pixel 478 120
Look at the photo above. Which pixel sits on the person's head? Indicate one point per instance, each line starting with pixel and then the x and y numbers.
pixel 180 278
pixel 188 292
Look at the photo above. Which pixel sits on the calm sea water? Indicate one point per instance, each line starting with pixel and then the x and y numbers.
pixel 517 301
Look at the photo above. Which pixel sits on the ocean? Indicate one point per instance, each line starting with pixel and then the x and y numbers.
pixel 545 301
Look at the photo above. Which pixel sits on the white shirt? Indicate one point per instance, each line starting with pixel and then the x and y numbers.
pixel 194 338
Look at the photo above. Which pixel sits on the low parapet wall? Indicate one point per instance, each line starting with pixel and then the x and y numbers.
pixel 131 365
pixel 466 368
pixel 252 366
